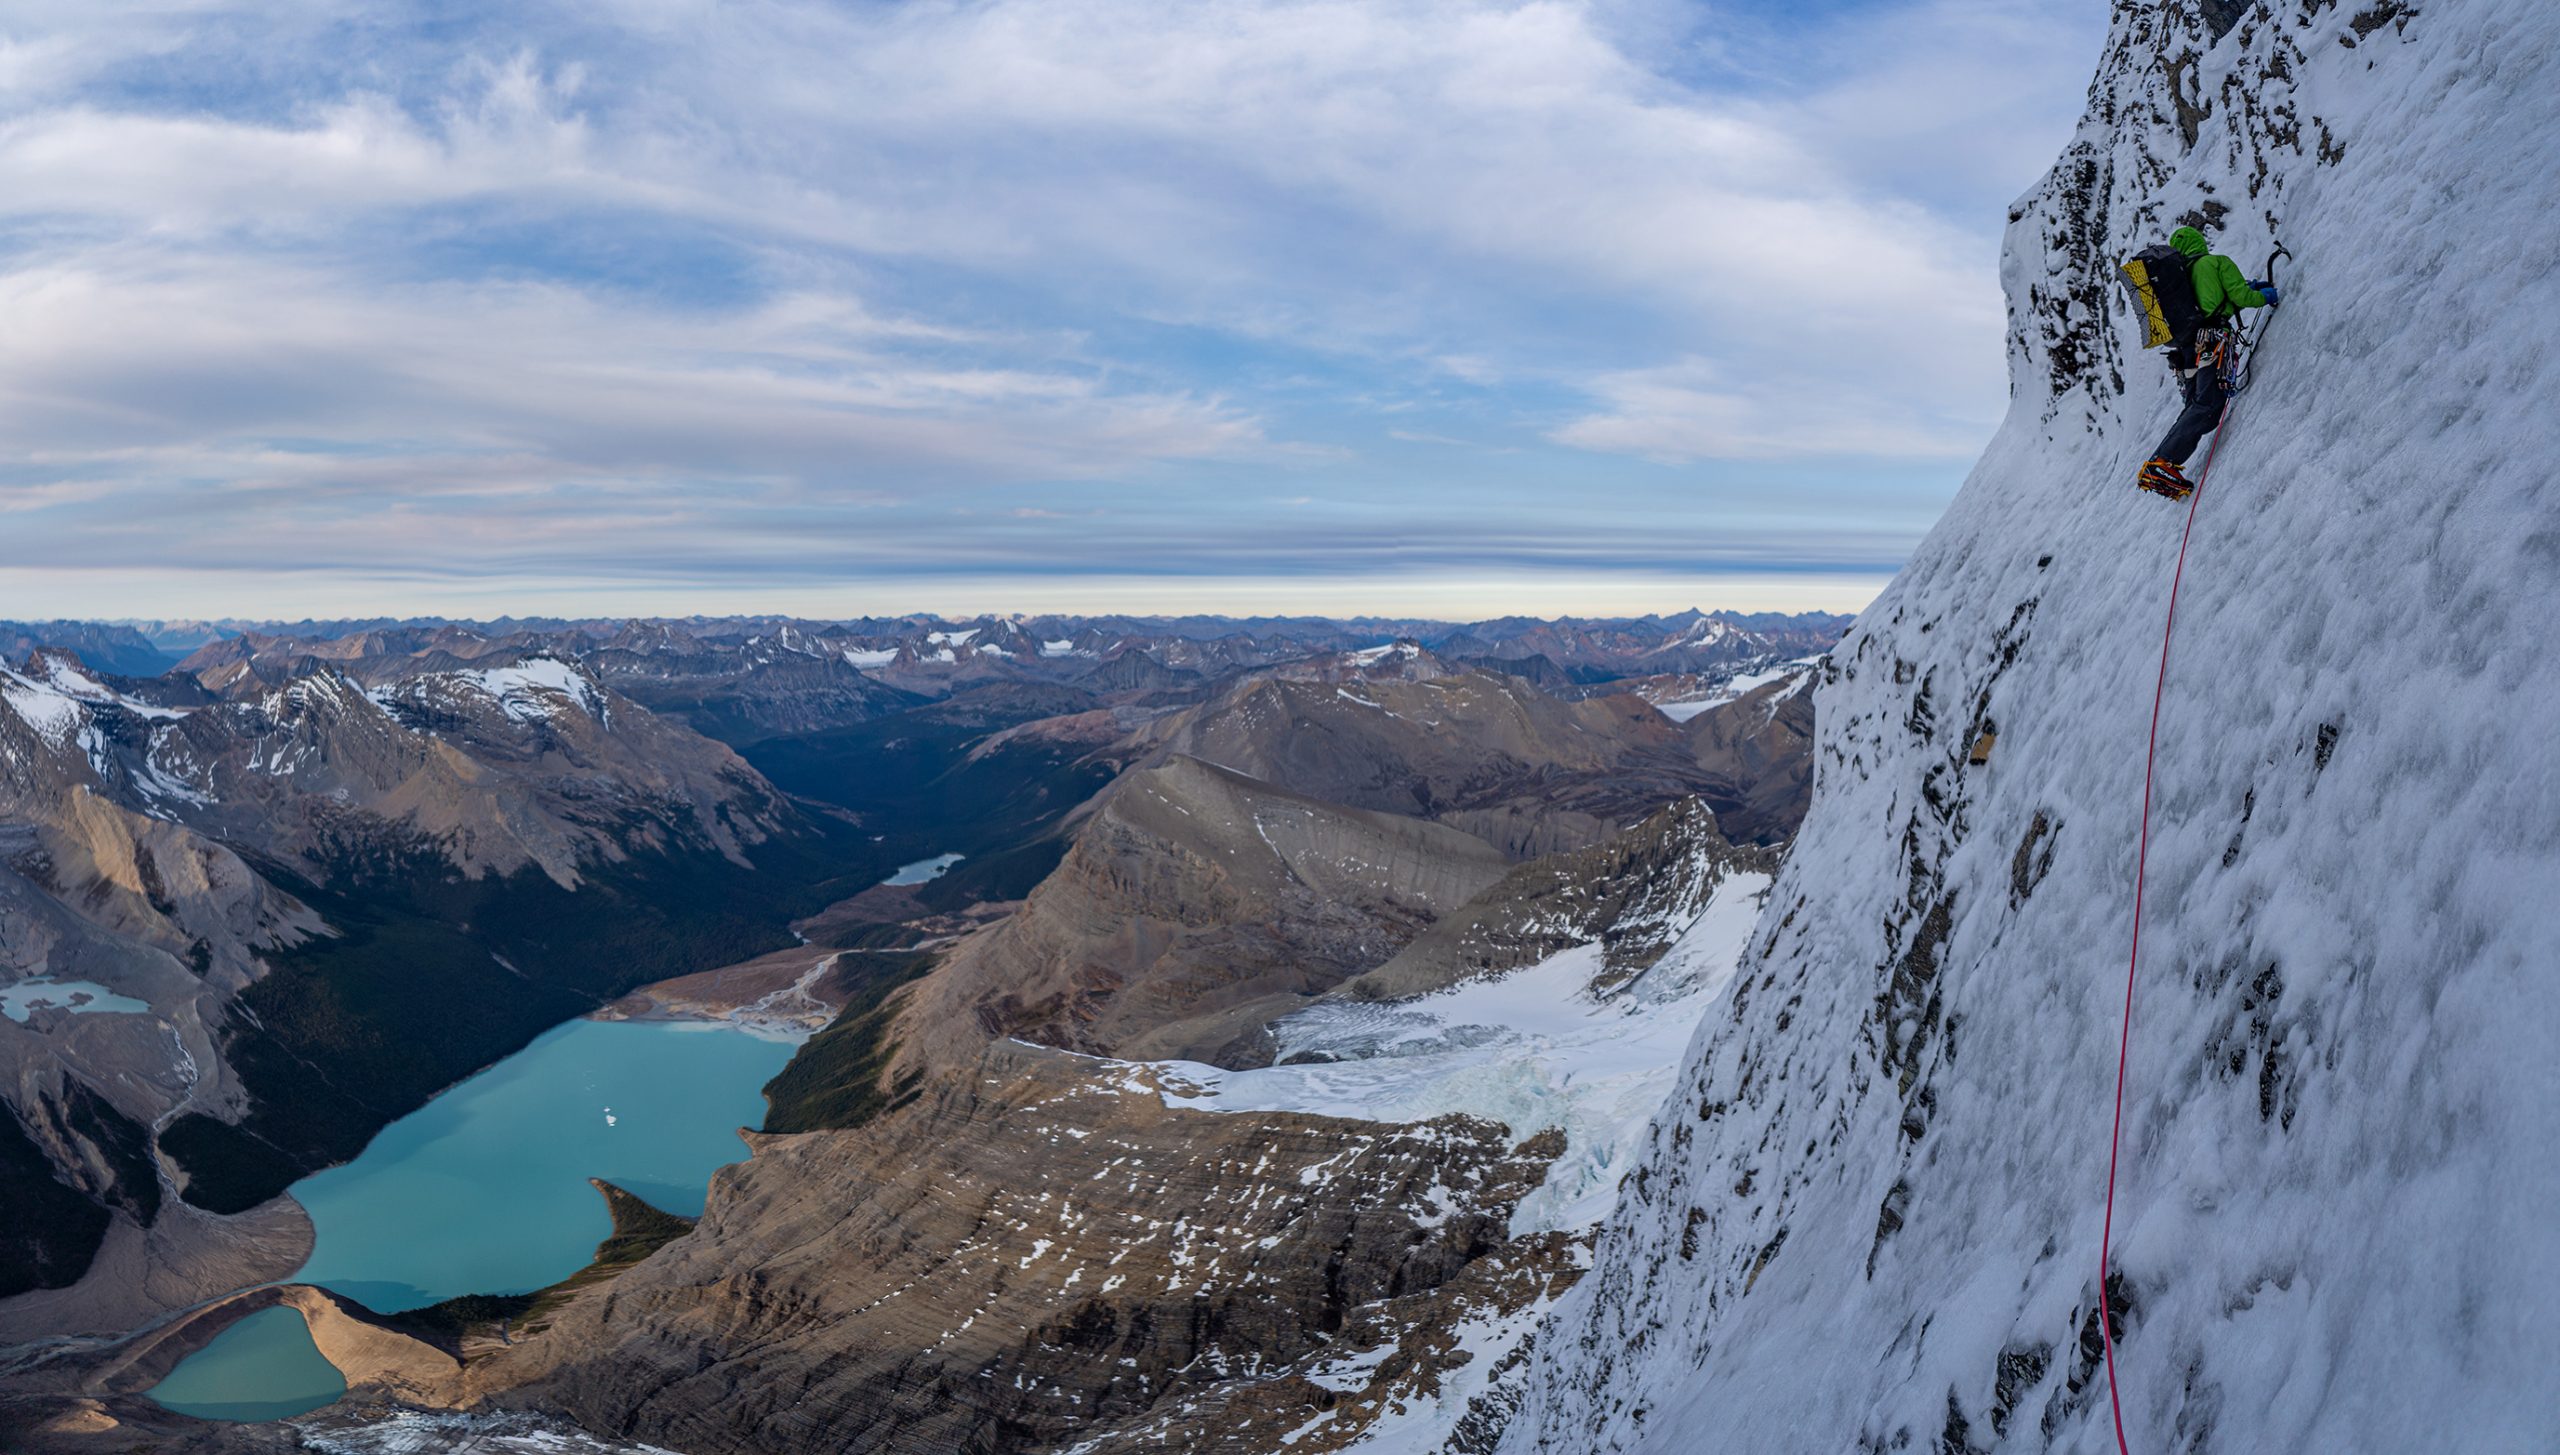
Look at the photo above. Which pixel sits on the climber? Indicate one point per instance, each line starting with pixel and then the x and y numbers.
pixel 2203 358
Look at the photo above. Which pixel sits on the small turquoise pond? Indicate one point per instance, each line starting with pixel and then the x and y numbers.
pixel 484 1189
pixel 264 1367
pixel 80 997
pixel 923 870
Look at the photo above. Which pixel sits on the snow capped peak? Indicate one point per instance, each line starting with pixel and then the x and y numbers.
pixel 538 689
pixel 56 716
pixel 65 673
pixel 54 678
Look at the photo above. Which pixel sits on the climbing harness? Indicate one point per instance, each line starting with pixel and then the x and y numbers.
pixel 2141 864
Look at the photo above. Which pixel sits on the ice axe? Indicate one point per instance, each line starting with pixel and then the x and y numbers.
pixel 2242 377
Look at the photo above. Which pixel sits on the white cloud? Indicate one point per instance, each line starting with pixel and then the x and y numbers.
pixel 212 353
pixel 310 308
pixel 1694 410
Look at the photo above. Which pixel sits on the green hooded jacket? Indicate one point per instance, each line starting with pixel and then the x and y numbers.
pixel 2221 289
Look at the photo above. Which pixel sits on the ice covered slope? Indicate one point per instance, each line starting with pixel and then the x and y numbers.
pixel 1870 1215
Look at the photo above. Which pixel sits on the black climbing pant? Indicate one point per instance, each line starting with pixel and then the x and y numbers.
pixel 2206 394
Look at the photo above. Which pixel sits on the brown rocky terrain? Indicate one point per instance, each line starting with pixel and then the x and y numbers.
pixel 1195 901
pixel 1025 1249
pixel 1411 735
pixel 1757 752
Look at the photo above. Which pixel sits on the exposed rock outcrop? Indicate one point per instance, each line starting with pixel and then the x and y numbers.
pixel 1633 894
pixel 1488 754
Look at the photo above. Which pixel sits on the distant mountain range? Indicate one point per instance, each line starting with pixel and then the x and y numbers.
pixel 1587 649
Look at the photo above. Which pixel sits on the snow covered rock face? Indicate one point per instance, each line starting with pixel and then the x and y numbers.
pixel 1870 1214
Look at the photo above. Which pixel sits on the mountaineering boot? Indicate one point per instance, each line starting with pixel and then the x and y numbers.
pixel 2162 478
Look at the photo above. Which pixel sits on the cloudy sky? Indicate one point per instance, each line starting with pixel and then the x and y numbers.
pixel 825 306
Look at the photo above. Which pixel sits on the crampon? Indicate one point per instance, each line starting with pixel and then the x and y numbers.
pixel 2162 478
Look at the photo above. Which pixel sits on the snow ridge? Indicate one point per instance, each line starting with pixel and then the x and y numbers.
pixel 1868 1217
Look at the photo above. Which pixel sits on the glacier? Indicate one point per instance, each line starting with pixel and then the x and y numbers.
pixel 1534 1049
pixel 1868 1218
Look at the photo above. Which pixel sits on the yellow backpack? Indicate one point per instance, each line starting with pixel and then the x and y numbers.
pixel 2162 281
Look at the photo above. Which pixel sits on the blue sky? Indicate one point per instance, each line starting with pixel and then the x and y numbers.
pixel 683 305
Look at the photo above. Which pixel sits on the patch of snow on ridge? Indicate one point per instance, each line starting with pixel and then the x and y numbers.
pixel 170 772
pixel 871 657
pixel 1532 1049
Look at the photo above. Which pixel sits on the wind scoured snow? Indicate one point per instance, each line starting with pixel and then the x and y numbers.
pixel 1869 1216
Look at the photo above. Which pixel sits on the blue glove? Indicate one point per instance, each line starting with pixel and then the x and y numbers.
pixel 2269 292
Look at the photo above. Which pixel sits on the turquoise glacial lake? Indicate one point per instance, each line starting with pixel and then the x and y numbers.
pixel 264 1367
pixel 484 1189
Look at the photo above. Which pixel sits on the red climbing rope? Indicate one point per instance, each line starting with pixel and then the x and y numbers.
pixel 2142 862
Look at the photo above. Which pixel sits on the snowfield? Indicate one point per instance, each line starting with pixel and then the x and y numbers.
pixel 1869 1215
pixel 1742 686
